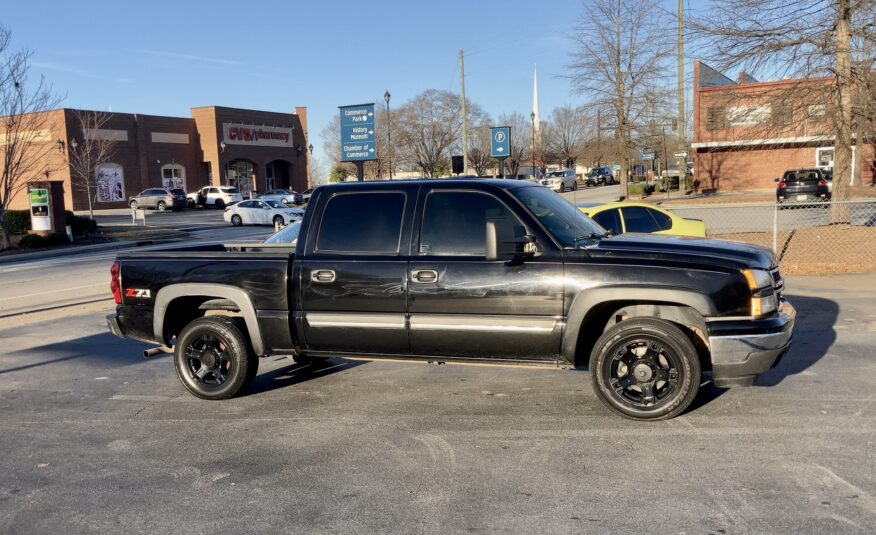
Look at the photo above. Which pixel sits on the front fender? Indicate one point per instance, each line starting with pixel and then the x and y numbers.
pixel 588 300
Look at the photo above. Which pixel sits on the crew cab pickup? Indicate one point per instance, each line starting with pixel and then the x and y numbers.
pixel 492 271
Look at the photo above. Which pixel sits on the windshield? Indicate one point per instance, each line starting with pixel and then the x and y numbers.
pixel 274 204
pixel 567 224
pixel 556 173
pixel 287 234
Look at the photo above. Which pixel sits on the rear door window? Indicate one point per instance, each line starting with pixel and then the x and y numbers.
pixel 362 223
pixel 638 219
pixel 664 222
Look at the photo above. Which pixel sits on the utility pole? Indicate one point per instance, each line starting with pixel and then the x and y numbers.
pixel 682 162
pixel 599 137
pixel 464 114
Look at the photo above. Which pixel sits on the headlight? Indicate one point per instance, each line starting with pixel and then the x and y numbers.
pixel 757 279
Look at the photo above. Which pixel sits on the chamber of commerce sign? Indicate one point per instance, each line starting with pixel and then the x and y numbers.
pixel 247 134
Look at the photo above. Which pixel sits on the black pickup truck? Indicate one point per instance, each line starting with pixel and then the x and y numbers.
pixel 492 271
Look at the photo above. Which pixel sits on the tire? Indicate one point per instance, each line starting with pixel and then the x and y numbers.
pixel 190 203
pixel 278 220
pixel 645 369
pixel 134 205
pixel 212 358
pixel 575 186
pixel 236 220
pixel 162 206
pixel 220 204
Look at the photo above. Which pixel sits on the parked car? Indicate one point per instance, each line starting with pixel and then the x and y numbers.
pixel 599 176
pixel 562 180
pixel 803 185
pixel 486 271
pixel 284 240
pixel 158 198
pixel 261 212
pixel 285 196
pixel 305 195
pixel 622 217
pixel 215 196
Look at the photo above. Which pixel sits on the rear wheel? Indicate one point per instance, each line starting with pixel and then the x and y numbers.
pixel 190 203
pixel 162 206
pixel 236 220
pixel 645 369
pixel 134 205
pixel 213 359
pixel 220 204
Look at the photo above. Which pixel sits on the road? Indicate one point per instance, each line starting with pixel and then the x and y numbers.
pixel 54 282
pixel 97 439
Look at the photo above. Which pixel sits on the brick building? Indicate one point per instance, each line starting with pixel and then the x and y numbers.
pixel 746 133
pixel 251 150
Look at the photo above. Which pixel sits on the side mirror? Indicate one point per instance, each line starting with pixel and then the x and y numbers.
pixel 503 244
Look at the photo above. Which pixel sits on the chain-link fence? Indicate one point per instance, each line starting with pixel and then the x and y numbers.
pixel 807 237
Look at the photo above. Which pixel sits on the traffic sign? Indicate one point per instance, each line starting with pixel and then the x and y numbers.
pixel 357 133
pixel 680 155
pixel 500 141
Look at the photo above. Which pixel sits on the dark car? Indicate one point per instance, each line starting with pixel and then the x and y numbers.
pixel 158 198
pixel 599 176
pixel 803 185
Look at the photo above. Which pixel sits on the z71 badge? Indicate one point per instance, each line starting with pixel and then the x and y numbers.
pixel 138 294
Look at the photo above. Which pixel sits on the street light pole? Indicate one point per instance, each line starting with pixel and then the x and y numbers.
pixel 532 156
pixel 386 97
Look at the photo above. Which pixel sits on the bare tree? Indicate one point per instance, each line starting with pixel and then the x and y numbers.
pixel 806 39
pixel 86 155
pixel 479 150
pixel 564 135
pixel 521 141
pixel 25 131
pixel 621 48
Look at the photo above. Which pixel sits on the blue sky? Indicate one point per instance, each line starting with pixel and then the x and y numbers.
pixel 164 57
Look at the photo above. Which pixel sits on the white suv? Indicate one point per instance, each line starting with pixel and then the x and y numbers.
pixel 562 180
pixel 216 196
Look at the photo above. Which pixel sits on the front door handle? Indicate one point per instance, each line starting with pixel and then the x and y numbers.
pixel 323 275
pixel 424 276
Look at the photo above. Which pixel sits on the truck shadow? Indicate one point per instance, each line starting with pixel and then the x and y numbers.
pixel 101 351
pixel 814 335
pixel 299 373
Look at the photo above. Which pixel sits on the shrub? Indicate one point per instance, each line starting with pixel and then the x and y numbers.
pixel 35 241
pixel 80 225
pixel 17 221
pixel 636 189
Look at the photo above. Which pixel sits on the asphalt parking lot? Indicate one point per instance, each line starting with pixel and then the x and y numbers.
pixel 96 439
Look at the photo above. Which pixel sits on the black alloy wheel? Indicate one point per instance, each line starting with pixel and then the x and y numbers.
pixel 645 369
pixel 213 358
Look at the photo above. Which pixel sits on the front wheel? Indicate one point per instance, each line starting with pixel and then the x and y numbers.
pixel 134 205
pixel 212 358
pixel 278 220
pixel 645 369
pixel 236 220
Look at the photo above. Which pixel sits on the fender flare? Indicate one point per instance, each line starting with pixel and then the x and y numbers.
pixel 167 294
pixel 587 300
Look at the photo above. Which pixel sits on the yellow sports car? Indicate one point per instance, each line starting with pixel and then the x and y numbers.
pixel 620 217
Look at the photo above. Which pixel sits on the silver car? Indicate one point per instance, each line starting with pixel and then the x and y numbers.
pixel 158 198
pixel 562 180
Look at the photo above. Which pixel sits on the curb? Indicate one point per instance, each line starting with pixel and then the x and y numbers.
pixel 85 249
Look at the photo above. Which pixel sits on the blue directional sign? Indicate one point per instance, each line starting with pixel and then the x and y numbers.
pixel 357 133
pixel 500 141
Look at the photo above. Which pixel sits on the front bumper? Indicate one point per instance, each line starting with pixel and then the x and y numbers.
pixel 741 352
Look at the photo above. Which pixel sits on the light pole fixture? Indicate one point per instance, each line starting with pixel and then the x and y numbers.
pixel 299 148
pixel 532 156
pixel 386 97
pixel 222 145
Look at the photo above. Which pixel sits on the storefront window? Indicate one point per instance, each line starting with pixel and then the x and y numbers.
pixel 173 176
pixel 239 174
pixel 269 176
pixel 110 183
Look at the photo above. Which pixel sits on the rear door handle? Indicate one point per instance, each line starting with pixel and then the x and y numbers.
pixel 323 275
pixel 424 276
